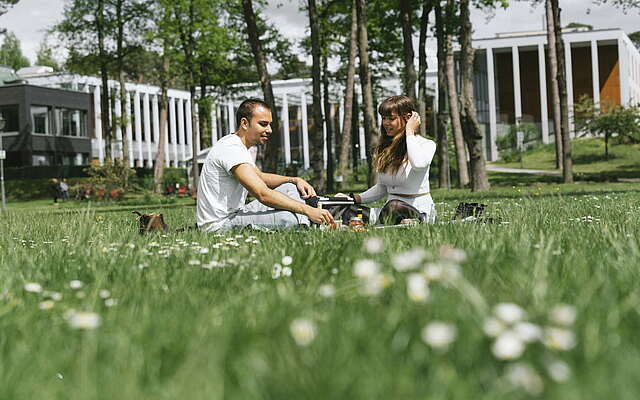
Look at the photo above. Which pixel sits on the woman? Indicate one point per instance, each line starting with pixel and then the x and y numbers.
pixel 402 161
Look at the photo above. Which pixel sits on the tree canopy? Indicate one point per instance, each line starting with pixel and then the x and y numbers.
pixel 11 52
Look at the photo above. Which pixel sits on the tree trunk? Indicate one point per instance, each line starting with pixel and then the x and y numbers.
pixel 328 121
pixel 370 134
pixel 567 163
pixel 422 65
pixel 158 171
pixel 270 163
pixel 204 109
pixel 410 76
pixel 468 116
pixel 189 60
pixel 454 112
pixel 123 92
pixel 348 96
pixel 123 119
pixel 316 132
pixel 104 75
pixel 194 138
pixel 444 180
pixel 552 61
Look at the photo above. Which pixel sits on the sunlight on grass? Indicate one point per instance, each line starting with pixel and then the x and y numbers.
pixel 542 303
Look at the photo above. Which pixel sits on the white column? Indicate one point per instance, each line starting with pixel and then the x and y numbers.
pixel 624 78
pixel 232 117
pixel 156 122
pixel 138 125
pixel 595 72
pixel 493 128
pixel 305 129
pixel 214 124
pixel 517 94
pixel 544 111
pixel 98 123
pixel 285 129
pixel 190 134
pixel 117 148
pixel 147 127
pixel 172 125
pixel 129 129
pixel 181 136
pixel 569 74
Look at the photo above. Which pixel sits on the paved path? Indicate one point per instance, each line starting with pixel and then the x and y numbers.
pixel 494 168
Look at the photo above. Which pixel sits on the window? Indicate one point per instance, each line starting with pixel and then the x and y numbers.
pixel 11 116
pixel 41 119
pixel 71 122
pixel 40 159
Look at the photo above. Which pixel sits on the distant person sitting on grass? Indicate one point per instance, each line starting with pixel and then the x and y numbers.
pixel 229 173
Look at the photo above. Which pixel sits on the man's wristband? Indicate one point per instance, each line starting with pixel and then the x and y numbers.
pixel 291 180
pixel 353 196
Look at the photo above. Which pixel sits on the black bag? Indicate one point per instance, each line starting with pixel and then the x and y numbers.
pixel 346 212
pixel 343 208
pixel 466 210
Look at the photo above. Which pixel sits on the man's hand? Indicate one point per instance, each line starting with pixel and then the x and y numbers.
pixel 319 215
pixel 304 188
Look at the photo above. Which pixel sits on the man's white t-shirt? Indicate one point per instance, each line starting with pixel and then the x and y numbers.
pixel 219 192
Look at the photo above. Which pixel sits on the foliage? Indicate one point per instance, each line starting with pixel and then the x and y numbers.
pixel 173 176
pixel 508 144
pixel 579 25
pixel 11 53
pixel 607 120
pixel 113 175
pixel 28 189
pixel 4 7
pixel 45 56
pixel 625 5
pixel 635 39
pixel 77 31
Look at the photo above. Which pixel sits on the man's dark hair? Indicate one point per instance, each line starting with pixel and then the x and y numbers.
pixel 245 110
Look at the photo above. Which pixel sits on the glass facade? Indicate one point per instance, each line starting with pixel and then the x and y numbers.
pixel 71 122
pixel 41 119
pixel 11 115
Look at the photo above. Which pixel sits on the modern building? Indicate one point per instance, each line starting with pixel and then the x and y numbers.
pixel 142 115
pixel 512 74
pixel 45 126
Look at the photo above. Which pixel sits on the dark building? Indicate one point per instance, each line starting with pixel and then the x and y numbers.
pixel 46 126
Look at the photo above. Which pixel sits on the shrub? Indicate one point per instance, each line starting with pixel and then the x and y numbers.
pixel 607 120
pixel 110 180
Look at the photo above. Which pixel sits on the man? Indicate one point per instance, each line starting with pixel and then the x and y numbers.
pixel 229 172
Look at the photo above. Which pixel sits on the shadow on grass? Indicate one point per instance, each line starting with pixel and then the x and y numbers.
pixel 509 179
pixel 592 158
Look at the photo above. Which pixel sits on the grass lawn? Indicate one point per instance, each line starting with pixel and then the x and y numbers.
pixel 89 309
pixel 588 159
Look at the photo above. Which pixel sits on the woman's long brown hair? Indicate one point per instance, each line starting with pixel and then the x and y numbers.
pixel 391 152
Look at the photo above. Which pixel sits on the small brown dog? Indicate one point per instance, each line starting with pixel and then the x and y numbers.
pixel 151 222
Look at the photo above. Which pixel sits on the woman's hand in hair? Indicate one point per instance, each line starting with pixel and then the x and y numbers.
pixel 412 124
